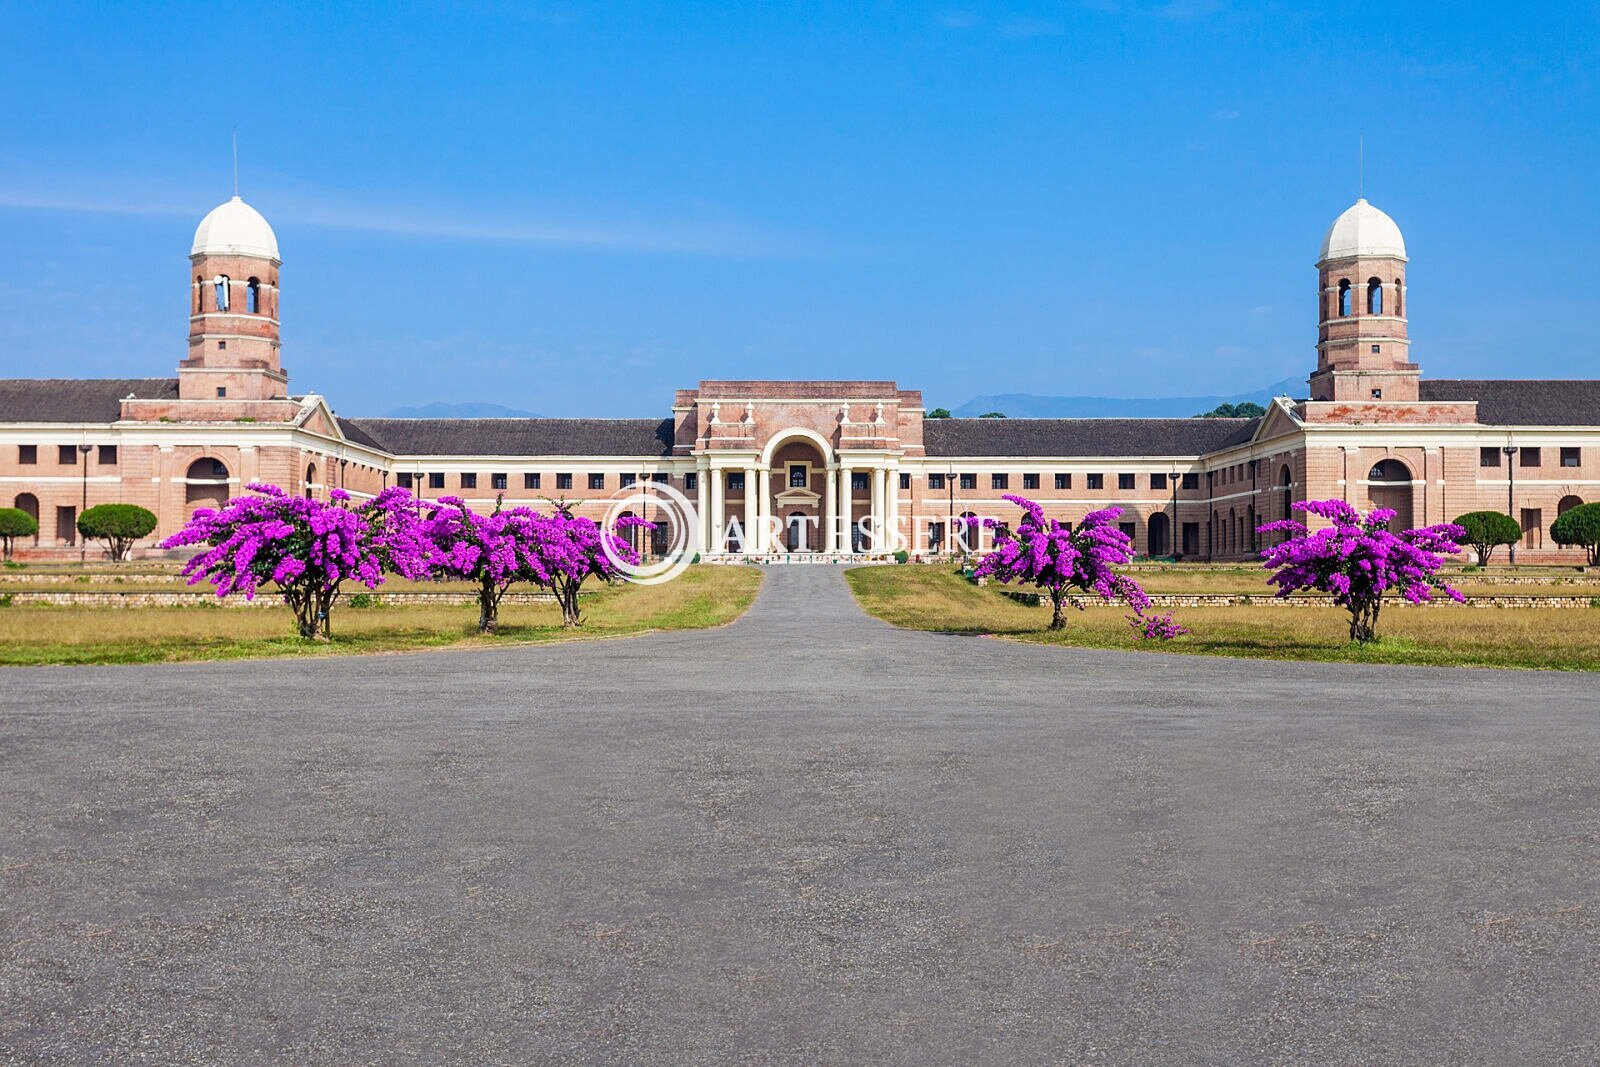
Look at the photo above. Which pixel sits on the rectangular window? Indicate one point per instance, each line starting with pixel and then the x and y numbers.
pixel 497 481
pixel 1191 539
pixel 1129 528
pixel 27 454
pixel 905 481
pixel 935 481
pixel 597 481
pixel 1530 457
pixel 1158 481
pixel 1124 481
pixel 108 455
pixel 691 482
pixel 660 477
pixel 1063 481
pixel 530 481
pixel 999 481
pixel 469 481
pixel 1190 481
pixel 1097 481
pixel 222 392
pixel 67 455
pixel 736 481
pixel 436 480
pixel 969 481
pixel 799 477
pixel 935 535
pixel 1571 457
pixel 857 481
pixel 1489 457
pixel 563 481
pixel 67 525
pixel 403 480
pixel 1030 481
pixel 626 480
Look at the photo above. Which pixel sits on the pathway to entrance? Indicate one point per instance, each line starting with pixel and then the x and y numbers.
pixel 806 837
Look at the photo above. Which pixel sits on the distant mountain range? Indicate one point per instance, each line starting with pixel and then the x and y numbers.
pixel 1028 406
pixel 438 410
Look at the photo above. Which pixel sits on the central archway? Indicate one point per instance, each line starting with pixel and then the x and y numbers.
pixel 797 462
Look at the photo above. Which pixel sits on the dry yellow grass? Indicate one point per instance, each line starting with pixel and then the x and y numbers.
pixel 703 596
pixel 935 598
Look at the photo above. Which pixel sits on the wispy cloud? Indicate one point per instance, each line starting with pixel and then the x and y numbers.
pixel 718 238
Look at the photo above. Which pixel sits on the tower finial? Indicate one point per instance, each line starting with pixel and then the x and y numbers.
pixel 236 161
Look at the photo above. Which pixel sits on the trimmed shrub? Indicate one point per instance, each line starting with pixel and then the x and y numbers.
pixel 1485 530
pixel 15 523
pixel 1580 526
pixel 118 525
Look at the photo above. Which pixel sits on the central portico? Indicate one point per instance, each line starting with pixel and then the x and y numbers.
pixel 789 467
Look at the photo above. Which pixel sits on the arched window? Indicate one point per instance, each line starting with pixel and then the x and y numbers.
pixel 207 486
pixel 222 292
pixel 1286 480
pixel 252 296
pixel 311 479
pixel 28 504
pixel 1344 298
pixel 1566 504
pixel 199 295
pixel 1389 470
pixel 1374 297
pixel 1399 297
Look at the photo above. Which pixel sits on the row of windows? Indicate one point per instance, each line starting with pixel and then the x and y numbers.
pixel 222 289
pixel 1529 457
pixel 1093 480
pixel 67 455
pixel 1374 297
pixel 534 480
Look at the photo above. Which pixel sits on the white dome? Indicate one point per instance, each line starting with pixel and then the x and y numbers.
pixel 1362 230
pixel 235 229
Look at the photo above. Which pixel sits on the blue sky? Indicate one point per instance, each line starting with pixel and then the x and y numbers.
pixel 576 208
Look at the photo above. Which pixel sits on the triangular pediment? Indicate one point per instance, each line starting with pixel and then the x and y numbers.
pixel 798 497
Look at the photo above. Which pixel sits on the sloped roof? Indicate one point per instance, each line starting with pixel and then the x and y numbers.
pixel 76 399
pixel 1523 402
pixel 516 437
pixel 1083 437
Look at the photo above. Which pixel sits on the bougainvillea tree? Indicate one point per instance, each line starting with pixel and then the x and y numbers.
pixel 307 548
pixel 491 551
pixel 1070 562
pixel 1358 559
pixel 567 550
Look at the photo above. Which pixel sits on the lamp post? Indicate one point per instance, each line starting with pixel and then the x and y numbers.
pixel 83 461
pixel 1510 451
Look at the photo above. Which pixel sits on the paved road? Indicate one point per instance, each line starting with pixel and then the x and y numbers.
pixel 803 838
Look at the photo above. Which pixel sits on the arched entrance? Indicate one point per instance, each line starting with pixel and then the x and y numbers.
pixel 1160 534
pixel 207 485
pixel 1567 503
pixel 29 505
pixel 1389 486
pixel 797 466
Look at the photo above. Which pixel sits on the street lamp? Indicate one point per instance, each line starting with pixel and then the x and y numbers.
pixel 1510 451
pixel 83 461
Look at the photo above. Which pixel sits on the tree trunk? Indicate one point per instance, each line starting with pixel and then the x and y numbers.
pixel 1364 620
pixel 1058 618
pixel 567 595
pixel 488 607
pixel 1484 552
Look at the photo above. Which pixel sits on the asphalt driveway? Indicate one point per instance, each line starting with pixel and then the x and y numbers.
pixel 807 838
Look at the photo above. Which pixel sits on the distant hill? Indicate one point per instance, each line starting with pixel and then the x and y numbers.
pixel 1028 406
pixel 438 410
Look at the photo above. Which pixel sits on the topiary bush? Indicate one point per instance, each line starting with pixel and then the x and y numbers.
pixel 15 523
pixel 1580 526
pixel 118 525
pixel 1487 529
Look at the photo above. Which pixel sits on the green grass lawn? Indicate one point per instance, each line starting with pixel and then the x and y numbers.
pixel 933 597
pixel 703 596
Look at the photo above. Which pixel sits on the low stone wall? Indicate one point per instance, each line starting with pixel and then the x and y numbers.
pixel 201 598
pixel 1229 600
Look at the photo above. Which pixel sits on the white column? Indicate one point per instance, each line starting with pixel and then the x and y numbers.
pixel 844 508
pixel 879 544
pixel 764 511
pixel 894 510
pixel 830 513
pixel 718 536
pixel 703 503
pixel 751 534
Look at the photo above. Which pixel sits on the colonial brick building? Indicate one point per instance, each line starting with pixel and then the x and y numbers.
pixel 779 464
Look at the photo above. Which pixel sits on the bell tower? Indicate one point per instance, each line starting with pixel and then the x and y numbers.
pixel 233 310
pixel 1363 352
